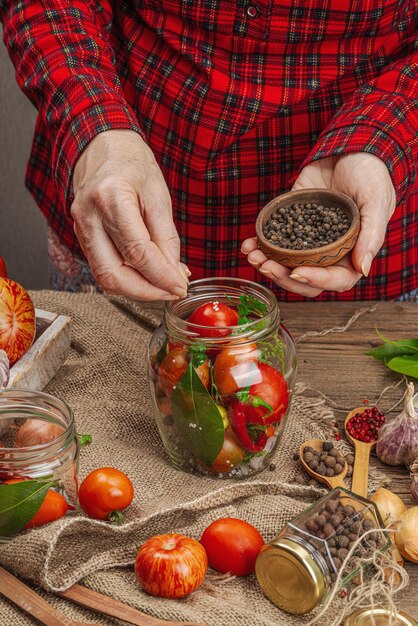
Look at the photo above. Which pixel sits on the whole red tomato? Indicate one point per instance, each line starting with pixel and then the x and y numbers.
pixel 104 493
pixel 271 387
pixel 52 508
pixel 174 365
pixel 216 315
pixel 232 545
pixel 230 456
pixel 3 270
pixel 171 566
pixel 235 368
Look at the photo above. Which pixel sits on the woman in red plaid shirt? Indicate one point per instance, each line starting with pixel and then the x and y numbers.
pixel 174 121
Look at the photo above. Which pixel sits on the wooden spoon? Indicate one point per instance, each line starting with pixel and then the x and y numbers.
pixel 360 479
pixel 330 481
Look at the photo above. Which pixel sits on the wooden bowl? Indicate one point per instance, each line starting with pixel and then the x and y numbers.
pixel 323 256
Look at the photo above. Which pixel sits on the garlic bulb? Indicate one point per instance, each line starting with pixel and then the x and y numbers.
pixel 397 442
pixel 4 369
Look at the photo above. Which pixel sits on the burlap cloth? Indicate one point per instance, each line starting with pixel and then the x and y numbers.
pixel 104 381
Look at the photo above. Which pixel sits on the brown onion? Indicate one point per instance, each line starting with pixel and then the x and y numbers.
pixel 406 535
pixel 35 432
pixel 389 504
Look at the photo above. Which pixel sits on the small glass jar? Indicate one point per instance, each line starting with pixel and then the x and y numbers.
pixel 297 569
pixel 221 394
pixel 38 440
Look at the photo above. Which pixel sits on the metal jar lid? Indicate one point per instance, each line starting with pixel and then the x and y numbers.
pixel 379 617
pixel 289 576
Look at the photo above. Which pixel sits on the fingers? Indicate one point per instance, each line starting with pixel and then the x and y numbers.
pixel 109 268
pixel 115 206
pixel 340 277
pixel 374 220
pixel 276 272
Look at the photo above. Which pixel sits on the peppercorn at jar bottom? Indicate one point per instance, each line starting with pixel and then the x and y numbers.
pixel 221 372
pixel 298 568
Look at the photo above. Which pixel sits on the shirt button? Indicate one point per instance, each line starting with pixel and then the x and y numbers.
pixel 253 11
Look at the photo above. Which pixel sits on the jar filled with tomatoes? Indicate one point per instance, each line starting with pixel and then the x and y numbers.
pixel 38 441
pixel 221 371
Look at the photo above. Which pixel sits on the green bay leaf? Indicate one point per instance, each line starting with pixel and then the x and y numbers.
pixel 392 349
pixel 406 364
pixel 197 418
pixel 19 502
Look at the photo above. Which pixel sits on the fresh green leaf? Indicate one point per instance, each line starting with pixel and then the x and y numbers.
pixel 197 418
pixel 198 354
pixel 272 350
pixel 19 502
pixel 84 439
pixel 406 364
pixel 249 305
pixel 214 391
pixel 392 349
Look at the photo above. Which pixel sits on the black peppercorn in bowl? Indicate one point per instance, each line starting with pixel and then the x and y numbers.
pixel 316 227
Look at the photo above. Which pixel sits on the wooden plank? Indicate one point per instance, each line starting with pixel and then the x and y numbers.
pixel 336 365
pixel 47 354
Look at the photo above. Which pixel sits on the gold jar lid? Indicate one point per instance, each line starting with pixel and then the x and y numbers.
pixel 379 617
pixel 289 576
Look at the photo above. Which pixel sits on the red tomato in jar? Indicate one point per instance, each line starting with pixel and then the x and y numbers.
pixel 52 508
pixel 3 270
pixel 174 365
pixel 104 493
pixel 232 545
pixel 230 456
pixel 170 566
pixel 215 315
pixel 271 387
pixel 235 368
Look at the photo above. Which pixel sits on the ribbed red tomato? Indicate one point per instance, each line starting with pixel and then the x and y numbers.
pixel 174 365
pixel 171 566
pixel 232 545
pixel 104 493
pixel 17 319
pixel 216 315
pixel 3 270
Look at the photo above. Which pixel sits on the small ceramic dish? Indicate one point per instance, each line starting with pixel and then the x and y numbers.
pixel 324 255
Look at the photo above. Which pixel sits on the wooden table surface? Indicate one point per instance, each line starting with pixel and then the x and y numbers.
pixel 335 365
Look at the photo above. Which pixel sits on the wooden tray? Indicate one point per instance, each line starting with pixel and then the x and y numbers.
pixel 46 355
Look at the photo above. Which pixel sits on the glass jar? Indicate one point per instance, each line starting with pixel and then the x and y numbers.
pixel 221 392
pixel 297 569
pixel 38 440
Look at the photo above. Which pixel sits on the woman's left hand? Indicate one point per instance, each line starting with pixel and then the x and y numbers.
pixel 365 178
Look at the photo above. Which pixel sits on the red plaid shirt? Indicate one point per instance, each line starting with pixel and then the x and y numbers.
pixel 233 98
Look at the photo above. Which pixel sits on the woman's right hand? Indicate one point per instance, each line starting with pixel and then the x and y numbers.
pixel 123 219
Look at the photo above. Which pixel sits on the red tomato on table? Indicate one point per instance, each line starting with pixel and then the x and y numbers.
pixel 232 545
pixel 216 315
pixel 174 365
pixel 170 566
pixel 104 493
